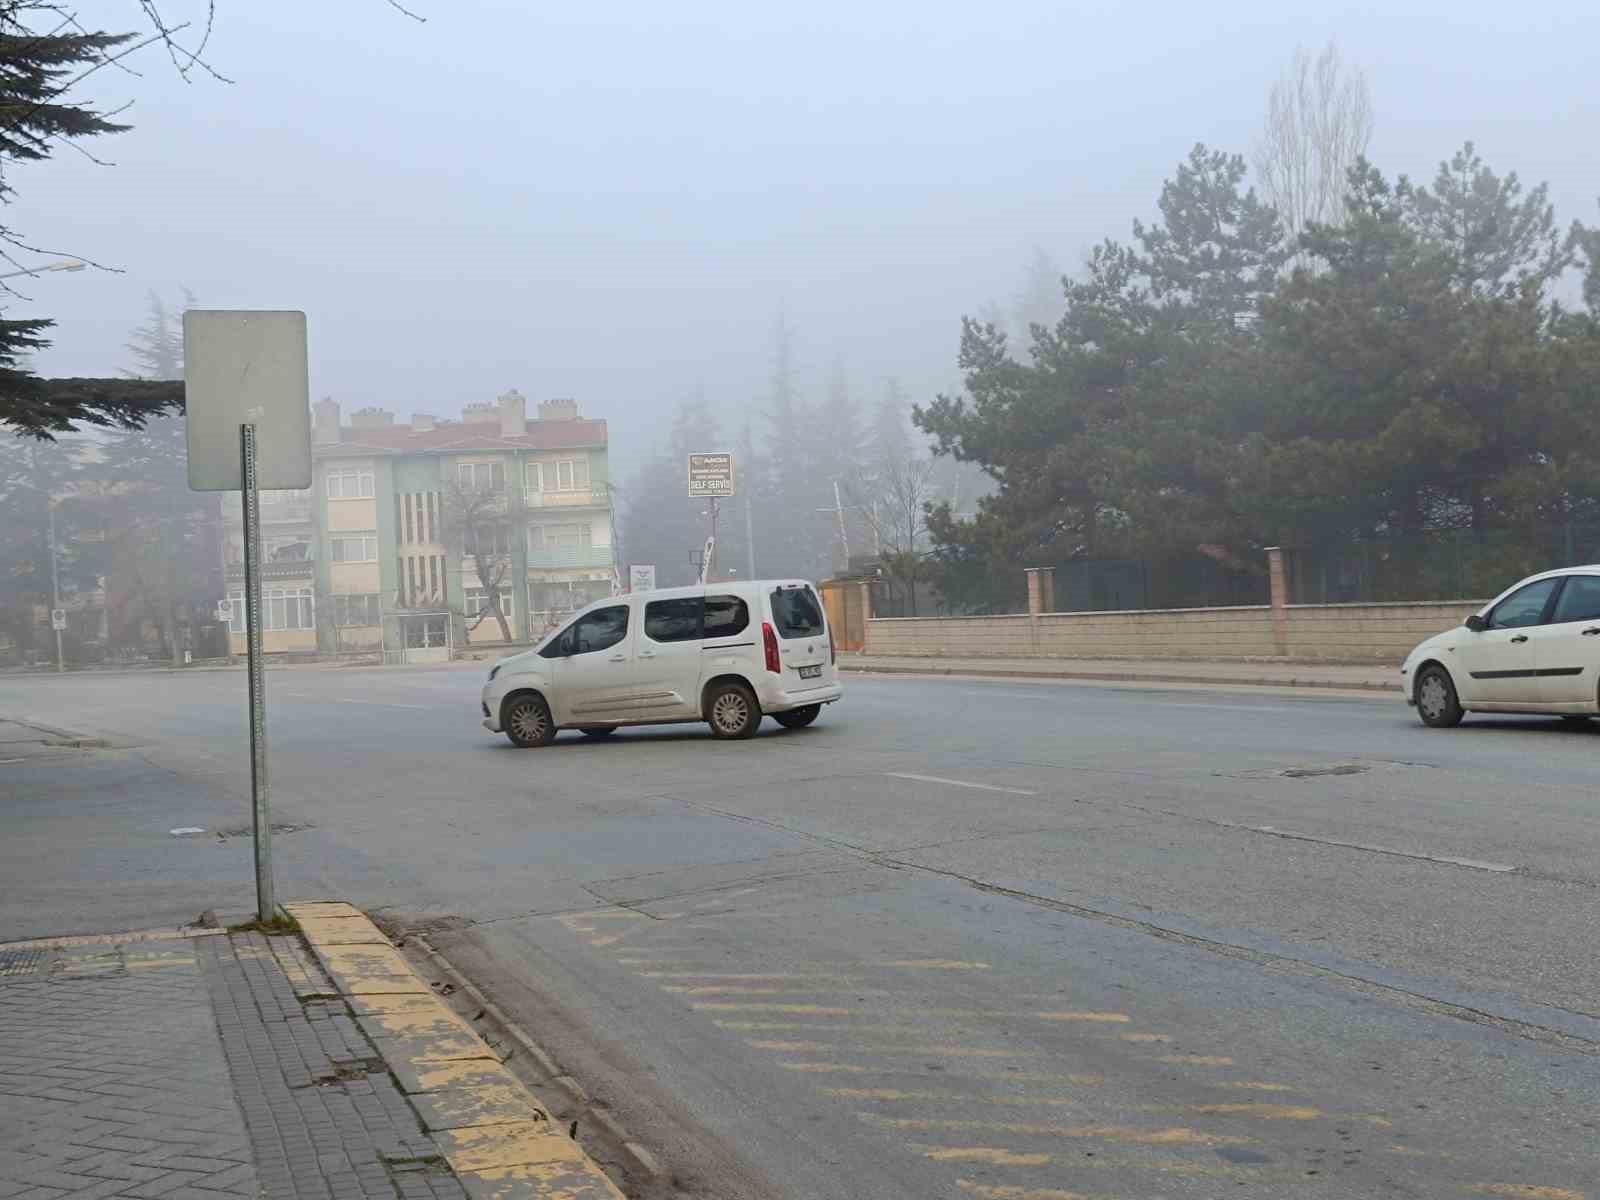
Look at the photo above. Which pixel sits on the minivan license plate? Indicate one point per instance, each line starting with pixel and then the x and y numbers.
pixel 810 672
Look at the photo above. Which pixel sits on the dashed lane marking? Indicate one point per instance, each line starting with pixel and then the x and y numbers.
pixel 892 1095
pixel 1265 1112
pixel 815 1010
pixel 993 1156
pixel 1196 1060
pixel 993 1191
pixel 1523 1191
pixel 1114 1017
pixel 938 964
pixel 960 783
pixel 1178 1136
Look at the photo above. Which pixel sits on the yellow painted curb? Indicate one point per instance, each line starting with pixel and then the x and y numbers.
pixel 496 1135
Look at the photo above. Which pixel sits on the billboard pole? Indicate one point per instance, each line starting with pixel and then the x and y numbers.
pixel 260 790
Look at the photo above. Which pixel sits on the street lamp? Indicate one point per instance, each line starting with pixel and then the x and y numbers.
pixel 64 264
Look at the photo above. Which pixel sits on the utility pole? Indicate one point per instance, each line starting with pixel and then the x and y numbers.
pixel 750 535
pixel 838 511
pixel 55 584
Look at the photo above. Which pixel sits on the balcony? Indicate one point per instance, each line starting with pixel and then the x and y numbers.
pixel 596 495
pixel 275 510
pixel 301 568
pixel 571 556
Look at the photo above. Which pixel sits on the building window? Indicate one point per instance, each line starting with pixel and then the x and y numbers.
pixel 353 484
pixel 559 537
pixel 281 608
pixel 357 610
pixel 359 547
pixel 572 475
pixel 481 477
pixel 492 541
pixel 477 602
pixel 405 510
pixel 433 576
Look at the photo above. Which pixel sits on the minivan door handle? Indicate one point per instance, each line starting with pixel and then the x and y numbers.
pixel 1592 632
pixel 624 657
pixel 652 653
pixel 1521 637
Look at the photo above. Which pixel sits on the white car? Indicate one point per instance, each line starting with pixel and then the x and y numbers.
pixel 725 653
pixel 1534 649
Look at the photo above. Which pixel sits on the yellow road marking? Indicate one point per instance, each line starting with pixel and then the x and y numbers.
pixel 1267 1112
pixel 819 1068
pixel 952 1097
pixel 1144 1037
pixel 891 1051
pixel 792 1046
pixel 1197 1060
pixel 749 977
pixel 1109 1133
pixel 938 964
pixel 1119 1018
pixel 1380 1121
pixel 815 1010
pixel 1254 1085
pixel 729 989
pixel 830 1027
pixel 992 1155
pixel 991 1191
pixel 1523 1191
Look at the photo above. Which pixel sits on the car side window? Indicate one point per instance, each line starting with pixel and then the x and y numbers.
pixel 1580 600
pixel 673 620
pixel 726 616
pixel 559 646
pixel 1523 607
pixel 600 629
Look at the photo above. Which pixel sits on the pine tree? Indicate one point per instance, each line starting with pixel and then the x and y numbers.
pixel 157 345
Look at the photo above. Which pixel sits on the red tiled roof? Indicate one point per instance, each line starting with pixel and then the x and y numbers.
pixel 453 436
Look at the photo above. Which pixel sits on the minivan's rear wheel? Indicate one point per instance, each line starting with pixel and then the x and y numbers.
pixel 1437 704
pixel 527 721
pixel 798 718
pixel 732 711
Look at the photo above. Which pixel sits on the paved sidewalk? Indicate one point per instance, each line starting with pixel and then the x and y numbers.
pixel 1266 673
pixel 196 1068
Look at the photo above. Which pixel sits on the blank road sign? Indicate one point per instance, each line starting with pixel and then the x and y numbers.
pixel 246 368
pixel 711 474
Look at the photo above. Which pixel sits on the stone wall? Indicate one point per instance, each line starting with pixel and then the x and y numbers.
pixel 1314 632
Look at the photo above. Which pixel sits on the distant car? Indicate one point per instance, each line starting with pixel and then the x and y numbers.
pixel 1534 649
pixel 728 654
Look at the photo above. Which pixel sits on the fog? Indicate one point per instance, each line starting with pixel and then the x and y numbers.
pixel 614 202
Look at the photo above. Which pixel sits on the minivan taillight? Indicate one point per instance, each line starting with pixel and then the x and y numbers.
pixel 831 652
pixel 769 641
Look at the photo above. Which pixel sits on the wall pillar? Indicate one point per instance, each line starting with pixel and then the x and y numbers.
pixel 1278 586
pixel 1041 590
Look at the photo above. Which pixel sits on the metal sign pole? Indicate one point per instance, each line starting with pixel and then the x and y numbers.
pixel 711 546
pixel 260 792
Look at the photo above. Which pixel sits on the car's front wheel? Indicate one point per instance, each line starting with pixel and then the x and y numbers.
pixel 732 711
pixel 798 718
pixel 528 722
pixel 1437 703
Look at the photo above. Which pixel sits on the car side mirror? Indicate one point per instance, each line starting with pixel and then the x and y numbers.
pixel 1476 623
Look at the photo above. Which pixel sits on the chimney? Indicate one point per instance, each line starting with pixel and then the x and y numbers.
pixel 421 422
pixel 371 418
pixel 481 411
pixel 325 421
pixel 513 414
pixel 558 410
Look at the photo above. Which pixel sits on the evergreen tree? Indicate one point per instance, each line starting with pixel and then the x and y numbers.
pixel 157 345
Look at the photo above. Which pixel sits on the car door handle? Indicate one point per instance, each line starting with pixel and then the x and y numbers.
pixel 1521 637
pixel 651 653
pixel 1592 632
pixel 624 657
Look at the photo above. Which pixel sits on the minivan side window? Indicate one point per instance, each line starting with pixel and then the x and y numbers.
pixel 673 620
pixel 559 646
pixel 796 613
pixel 726 616
pixel 600 630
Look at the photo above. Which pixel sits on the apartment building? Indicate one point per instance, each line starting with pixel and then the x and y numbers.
pixel 419 537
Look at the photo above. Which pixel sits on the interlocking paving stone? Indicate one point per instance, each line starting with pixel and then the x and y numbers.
pixel 113 1081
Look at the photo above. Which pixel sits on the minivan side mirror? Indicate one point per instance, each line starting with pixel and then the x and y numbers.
pixel 1476 623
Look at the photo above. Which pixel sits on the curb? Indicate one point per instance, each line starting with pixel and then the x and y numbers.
pixel 497 1136
pixel 1324 684
pixel 63 737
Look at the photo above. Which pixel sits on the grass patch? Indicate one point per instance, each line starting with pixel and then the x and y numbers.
pixel 281 925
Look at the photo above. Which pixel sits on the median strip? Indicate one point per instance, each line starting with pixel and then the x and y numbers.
pixel 496 1135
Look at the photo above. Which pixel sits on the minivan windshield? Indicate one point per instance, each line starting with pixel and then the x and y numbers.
pixel 796 613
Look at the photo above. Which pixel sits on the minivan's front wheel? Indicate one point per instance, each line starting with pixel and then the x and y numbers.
pixel 732 711
pixel 1437 704
pixel 798 718
pixel 528 722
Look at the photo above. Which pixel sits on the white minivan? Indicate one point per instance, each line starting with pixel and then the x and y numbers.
pixel 725 653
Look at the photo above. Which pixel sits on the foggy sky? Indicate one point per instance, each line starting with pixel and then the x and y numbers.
pixel 611 202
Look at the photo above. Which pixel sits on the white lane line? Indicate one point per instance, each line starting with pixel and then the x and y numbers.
pixel 961 783
pixel 1447 860
pixel 382 704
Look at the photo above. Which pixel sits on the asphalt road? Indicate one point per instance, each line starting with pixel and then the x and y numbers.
pixel 992 939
